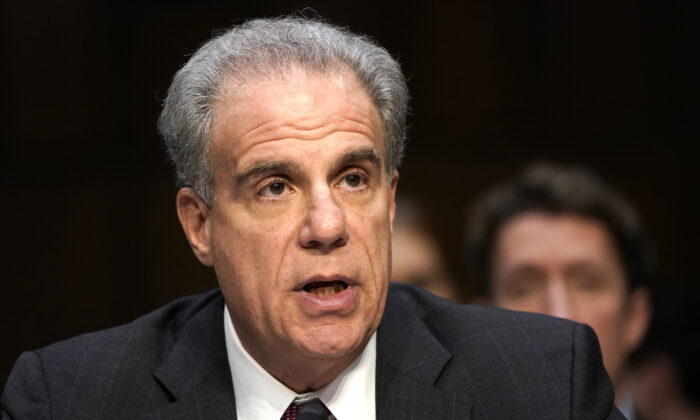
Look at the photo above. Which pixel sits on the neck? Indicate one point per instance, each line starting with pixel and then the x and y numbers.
pixel 299 372
pixel 622 385
pixel 309 379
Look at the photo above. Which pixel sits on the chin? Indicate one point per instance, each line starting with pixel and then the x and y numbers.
pixel 334 342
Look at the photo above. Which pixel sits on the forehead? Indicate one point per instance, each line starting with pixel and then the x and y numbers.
pixel 548 237
pixel 295 104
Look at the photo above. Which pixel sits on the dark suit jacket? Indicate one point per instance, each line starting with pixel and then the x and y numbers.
pixel 435 360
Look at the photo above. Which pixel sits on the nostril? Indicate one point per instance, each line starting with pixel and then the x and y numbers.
pixel 316 244
pixel 339 242
pixel 312 244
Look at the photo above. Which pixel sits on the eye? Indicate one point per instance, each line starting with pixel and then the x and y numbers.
pixel 275 189
pixel 586 281
pixel 353 180
pixel 587 277
pixel 523 282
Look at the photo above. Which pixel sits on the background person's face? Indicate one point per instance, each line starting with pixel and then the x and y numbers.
pixel 300 226
pixel 416 259
pixel 565 266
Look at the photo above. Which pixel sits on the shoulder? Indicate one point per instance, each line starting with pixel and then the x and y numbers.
pixel 91 364
pixel 488 335
pixel 511 363
pixel 154 330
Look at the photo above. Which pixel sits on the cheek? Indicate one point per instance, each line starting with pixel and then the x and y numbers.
pixel 248 254
pixel 605 316
pixel 603 308
pixel 375 229
pixel 608 328
pixel 529 303
pixel 369 228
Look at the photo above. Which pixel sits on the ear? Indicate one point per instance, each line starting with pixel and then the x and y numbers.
pixel 392 198
pixel 639 309
pixel 194 216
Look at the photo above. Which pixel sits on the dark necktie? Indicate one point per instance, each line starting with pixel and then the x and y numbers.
pixel 309 410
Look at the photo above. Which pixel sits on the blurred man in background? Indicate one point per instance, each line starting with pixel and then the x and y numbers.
pixel 416 254
pixel 558 241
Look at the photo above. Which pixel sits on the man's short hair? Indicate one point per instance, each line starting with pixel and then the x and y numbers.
pixel 556 190
pixel 270 47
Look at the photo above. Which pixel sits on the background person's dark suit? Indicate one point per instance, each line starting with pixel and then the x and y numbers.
pixel 435 360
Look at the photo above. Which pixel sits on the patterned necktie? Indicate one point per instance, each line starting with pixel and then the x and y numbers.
pixel 309 410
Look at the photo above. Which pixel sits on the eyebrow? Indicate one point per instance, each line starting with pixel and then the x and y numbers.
pixel 260 168
pixel 263 167
pixel 367 154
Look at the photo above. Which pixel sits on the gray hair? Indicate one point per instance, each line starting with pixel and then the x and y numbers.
pixel 266 47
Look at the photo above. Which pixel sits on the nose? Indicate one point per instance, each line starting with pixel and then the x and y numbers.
pixel 558 300
pixel 324 227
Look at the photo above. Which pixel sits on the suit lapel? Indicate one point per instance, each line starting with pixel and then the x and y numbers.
pixel 195 371
pixel 410 361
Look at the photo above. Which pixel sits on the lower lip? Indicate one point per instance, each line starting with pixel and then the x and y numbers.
pixel 336 303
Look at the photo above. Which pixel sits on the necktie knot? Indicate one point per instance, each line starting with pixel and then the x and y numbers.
pixel 308 410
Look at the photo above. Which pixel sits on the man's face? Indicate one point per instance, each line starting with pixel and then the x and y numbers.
pixel 299 232
pixel 567 266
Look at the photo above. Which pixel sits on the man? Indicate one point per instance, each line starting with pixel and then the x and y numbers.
pixel 557 241
pixel 416 257
pixel 286 134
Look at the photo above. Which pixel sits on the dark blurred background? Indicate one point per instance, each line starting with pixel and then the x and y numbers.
pixel 91 238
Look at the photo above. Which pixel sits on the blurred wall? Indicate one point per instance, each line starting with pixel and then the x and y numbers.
pixel 91 237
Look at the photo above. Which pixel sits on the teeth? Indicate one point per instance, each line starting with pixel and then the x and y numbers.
pixel 327 290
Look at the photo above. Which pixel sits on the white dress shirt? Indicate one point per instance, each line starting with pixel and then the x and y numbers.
pixel 260 396
pixel 626 406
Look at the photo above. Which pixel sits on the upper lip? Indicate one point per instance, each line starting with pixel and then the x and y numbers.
pixel 324 279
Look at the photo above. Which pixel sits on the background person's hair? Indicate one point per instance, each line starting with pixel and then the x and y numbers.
pixel 556 190
pixel 264 48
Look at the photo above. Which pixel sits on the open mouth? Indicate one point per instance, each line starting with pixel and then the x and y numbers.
pixel 325 288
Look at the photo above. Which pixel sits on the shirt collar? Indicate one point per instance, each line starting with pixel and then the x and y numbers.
pixel 260 396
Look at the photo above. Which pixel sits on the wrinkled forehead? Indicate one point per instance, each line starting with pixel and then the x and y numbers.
pixel 297 96
pixel 556 239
